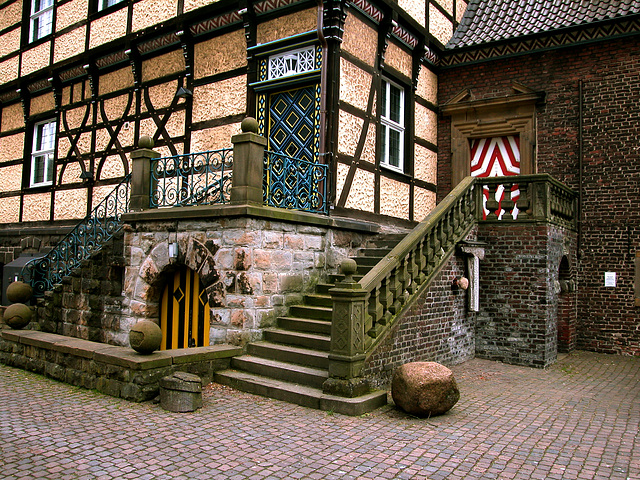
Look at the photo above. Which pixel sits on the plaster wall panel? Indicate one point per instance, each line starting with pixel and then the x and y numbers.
pixel 397 58
pixel 425 164
pixel 10 210
pixel 426 124
pixel 175 124
pixel 12 147
pixel 12 117
pixel 64 145
pixel 70 44
pixel 108 28
pixel 84 143
pixel 9 42
pixel 193 4
pixel 35 58
pixel 161 95
pixel 116 107
pixel 424 202
pixel 79 91
pixel 354 85
pixel 360 40
pixel 394 198
pixel 42 103
pixel 151 12
pixel 71 12
pixel 369 150
pixel 9 69
pixel 167 64
pixel 114 81
pixel 36 207
pixel 76 116
pixel 220 99
pixel 427 85
pixel 461 7
pixel 10 14
pixel 125 137
pixel 361 194
pixel 349 129
pixel 415 8
pixel 112 168
pixel 71 173
pixel 213 138
pixel 99 193
pixel 447 5
pixel 220 54
pixel 103 137
pixel 287 26
pixel 70 204
pixel 11 178
pixel 439 26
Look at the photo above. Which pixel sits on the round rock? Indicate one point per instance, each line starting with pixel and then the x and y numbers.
pixel 17 316
pixel 145 337
pixel 424 389
pixel 19 292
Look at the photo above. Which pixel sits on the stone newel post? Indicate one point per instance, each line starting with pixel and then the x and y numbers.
pixel 347 336
pixel 141 174
pixel 248 164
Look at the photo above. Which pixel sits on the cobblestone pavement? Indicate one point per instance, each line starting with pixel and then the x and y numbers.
pixel 578 419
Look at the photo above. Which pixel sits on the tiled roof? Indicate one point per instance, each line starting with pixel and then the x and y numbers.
pixel 488 21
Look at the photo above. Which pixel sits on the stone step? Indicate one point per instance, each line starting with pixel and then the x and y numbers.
pixel 288 372
pixel 363 261
pixel 289 353
pixel 298 339
pixel 305 325
pixel 318 300
pixel 374 252
pixel 301 395
pixel 311 312
pixel 323 288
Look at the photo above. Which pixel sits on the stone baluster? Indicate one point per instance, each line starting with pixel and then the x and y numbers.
pixel 507 203
pixel 492 205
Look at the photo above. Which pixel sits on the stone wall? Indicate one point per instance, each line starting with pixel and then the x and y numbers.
pixel 608 318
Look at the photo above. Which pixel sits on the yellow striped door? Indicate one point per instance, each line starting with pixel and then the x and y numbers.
pixel 184 312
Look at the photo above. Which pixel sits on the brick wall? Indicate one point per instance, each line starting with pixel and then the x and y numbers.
pixel 608 320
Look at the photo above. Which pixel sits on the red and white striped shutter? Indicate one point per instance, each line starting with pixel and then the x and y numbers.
pixel 496 157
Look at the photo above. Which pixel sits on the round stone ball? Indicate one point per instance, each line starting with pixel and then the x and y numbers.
pixel 17 316
pixel 145 337
pixel 145 141
pixel 19 292
pixel 249 124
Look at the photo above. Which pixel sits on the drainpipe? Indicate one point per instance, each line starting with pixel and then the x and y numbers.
pixel 580 164
pixel 323 78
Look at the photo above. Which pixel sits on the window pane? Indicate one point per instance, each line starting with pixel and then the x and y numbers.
pixel 394 148
pixel 395 104
pixel 39 168
pixel 383 147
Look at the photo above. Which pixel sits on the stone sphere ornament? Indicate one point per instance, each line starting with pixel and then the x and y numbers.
pixel 19 292
pixel 145 337
pixel 18 315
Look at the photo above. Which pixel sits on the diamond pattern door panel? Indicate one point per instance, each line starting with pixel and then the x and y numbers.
pixel 291 123
pixel 496 157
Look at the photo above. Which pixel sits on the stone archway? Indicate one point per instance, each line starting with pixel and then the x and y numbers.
pixel 567 329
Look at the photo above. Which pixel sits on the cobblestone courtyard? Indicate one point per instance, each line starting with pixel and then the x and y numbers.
pixel 578 419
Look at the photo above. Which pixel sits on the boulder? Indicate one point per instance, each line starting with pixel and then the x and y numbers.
pixel 424 389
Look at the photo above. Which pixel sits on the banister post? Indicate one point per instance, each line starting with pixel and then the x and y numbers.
pixel 347 354
pixel 248 164
pixel 141 174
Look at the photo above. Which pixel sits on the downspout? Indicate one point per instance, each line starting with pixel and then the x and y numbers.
pixel 323 78
pixel 580 165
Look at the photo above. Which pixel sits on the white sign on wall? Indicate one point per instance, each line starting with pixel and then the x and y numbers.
pixel 609 279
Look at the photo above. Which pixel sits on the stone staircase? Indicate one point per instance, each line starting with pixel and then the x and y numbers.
pixel 292 361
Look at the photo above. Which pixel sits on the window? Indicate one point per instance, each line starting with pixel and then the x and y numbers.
pixel 44 140
pixel 41 19
pixel 292 63
pixel 392 125
pixel 102 4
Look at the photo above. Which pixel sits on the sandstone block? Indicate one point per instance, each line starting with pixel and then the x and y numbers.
pixel 424 389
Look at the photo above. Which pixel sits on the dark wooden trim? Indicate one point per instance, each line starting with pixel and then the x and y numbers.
pixel 426 144
pixel 220 76
pixel 218 122
pixel 426 104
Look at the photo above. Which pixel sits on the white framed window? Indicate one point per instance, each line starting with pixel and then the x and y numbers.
pixel 392 126
pixel 292 62
pixel 42 151
pixel 103 4
pixel 41 22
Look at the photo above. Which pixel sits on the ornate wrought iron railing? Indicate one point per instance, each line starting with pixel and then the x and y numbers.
pixel 294 183
pixel 202 178
pixel 85 239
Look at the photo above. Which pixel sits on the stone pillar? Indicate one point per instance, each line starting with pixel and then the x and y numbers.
pixel 346 357
pixel 475 253
pixel 248 164
pixel 141 174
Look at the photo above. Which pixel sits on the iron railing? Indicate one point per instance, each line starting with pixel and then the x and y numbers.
pixel 294 183
pixel 202 178
pixel 85 239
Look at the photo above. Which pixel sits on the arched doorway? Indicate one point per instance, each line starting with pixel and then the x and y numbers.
pixel 566 308
pixel 184 311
